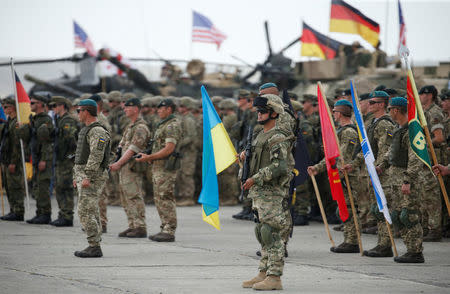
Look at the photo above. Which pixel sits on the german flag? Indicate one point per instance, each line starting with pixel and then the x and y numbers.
pixel 347 19
pixel 317 44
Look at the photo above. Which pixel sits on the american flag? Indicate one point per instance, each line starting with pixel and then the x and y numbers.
pixel 402 39
pixel 204 31
pixel 82 40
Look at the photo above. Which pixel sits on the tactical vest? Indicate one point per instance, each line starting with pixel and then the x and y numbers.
pixel 398 156
pixel 83 150
pixel 341 129
pixel 371 133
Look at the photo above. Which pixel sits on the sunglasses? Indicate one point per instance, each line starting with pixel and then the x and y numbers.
pixel 80 110
pixel 32 103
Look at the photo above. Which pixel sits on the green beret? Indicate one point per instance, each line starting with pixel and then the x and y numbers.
pixel 343 102
pixel 96 98
pixel 166 102
pixel 379 94
pixel 133 102
pixel 398 101
pixel 429 89
pixel 267 85
pixel 87 102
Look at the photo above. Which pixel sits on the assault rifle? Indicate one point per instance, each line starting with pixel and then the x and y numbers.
pixel 148 149
pixel 246 166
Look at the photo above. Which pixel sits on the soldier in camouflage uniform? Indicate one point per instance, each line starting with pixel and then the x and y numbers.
pixel 38 134
pixel 91 162
pixel 185 185
pixel 66 134
pixel 432 203
pixel 403 169
pixel 348 140
pixel 11 160
pixel 268 186
pixel 165 162
pixel 134 141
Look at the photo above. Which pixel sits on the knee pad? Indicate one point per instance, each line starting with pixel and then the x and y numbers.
pixel 266 235
pixel 376 212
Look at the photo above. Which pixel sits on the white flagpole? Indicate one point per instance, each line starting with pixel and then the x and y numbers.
pixel 21 142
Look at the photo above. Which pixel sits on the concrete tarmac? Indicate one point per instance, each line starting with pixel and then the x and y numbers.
pixel 39 259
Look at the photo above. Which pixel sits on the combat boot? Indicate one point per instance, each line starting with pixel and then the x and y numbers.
pixel 345 248
pixel 410 258
pixel 433 236
pixel 379 251
pixel 244 211
pixel 104 229
pixel 339 228
pixel 62 222
pixel 91 251
pixel 301 220
pixel 137 233
pixel 259 278
pixel 185 202
pixel 43 219
pixel 12 217
pixel 269 283
pixel 162 237
pixel 371 230
pixel 124 233
pixel 250 216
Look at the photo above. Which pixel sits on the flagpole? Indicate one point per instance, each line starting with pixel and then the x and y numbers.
pixel 391 237
pixel 13 71
pixel 350 196
pixel 1 191
pixel 423 122
pixel 322 211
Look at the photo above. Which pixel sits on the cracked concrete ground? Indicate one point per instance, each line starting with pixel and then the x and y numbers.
pixel 39 259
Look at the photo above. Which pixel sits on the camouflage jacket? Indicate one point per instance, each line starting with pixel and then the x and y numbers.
pixel 167 131
pixel 38 134
pixel 135 137
pixel 66 135
pixel 189 131
pixel 10 143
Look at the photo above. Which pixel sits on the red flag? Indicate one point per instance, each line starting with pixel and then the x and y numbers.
pixel 331 149
pixel 23 101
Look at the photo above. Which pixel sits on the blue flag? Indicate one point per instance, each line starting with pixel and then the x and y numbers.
pixel 2 115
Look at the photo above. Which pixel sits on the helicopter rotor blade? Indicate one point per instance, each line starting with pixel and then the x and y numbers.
pixel 266 28
pixel 290 44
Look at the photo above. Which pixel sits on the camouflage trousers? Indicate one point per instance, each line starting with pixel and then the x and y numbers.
pixel 64 189
pixel 362 188
pixel 103 205
pixel 185 183
pixel 88 210
pixel 41 189
pixel 15 189
pixel 228 185
pixel 273 227
pixel 163 192
pixel 431 206
pixel 411 232
pixel 132 197
pixel 112 191
pixel 350 234
pixel 303 198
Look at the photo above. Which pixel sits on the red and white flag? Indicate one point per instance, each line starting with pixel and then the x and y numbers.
pixel 204 31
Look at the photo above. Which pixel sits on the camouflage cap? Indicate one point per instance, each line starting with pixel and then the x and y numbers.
pixel 216 100
pixel 185 101
pixel 228 104
pixel 292 95
pixel 270 101
pixel 103 95
pixel 114 96
pixel 76 102
pixel 128 96
pixel 106 106
pixel 85 96
pixel 147 102
pixel 309 97
pixel 243 93
pixel 298 106
pixel 61 100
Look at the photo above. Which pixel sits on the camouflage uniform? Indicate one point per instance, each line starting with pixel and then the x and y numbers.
pixel 38 133
pixel 167 131
pixel 108 188
pixel 348 139
pixel 65 144
pixel 405 209
pixel 431 193
pixel 11 154
pixel 271 174
pixel 134 138
pixel 91 161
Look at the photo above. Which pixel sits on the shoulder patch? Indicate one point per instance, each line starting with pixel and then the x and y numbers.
pixel 352 142
pixel 100 143
pixel 389 133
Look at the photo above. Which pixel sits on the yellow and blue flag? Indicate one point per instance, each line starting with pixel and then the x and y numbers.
pixel 368 157
pixel 218 154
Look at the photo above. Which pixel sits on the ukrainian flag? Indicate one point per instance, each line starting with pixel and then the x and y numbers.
pixel 218 154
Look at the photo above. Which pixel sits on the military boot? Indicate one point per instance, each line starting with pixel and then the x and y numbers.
pixel 259 278
pixel 137 233
pixel 379 251
pixel 371 230
pixel 104 229
pixel 43 219
pixel 162 237
pixel 269 283
pixel 345 248
pixel 301 220
pixel 433 236
pixel 91 251
pixel 62 222
pixel 12 217
pixel 240 215
pixel 410 258
pixel 124 233
pixel 250 216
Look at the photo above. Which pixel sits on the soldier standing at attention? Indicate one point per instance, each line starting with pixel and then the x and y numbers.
pixel 348 140
pixel 66 134
pixel 38 135
pixel 404 166
pixel 134 141
pixel 11 160
pixel 165 160
pixel 91 162
pixel 432 203
pixel 268 188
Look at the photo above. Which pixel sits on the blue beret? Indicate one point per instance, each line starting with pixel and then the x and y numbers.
pixel 268 85
pixel 379 94
pixel 343 102
pixel 398 101
pixel 87 102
